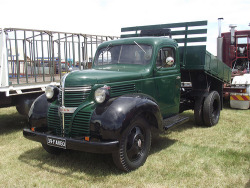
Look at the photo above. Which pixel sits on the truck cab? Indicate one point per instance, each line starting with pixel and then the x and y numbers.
pixel 146 58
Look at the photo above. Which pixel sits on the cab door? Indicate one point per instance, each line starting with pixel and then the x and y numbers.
pixel 167 81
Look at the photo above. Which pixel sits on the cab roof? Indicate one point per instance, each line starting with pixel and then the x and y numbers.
pixel 154 41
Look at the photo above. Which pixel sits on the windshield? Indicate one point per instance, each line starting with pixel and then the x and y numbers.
pixel 139 54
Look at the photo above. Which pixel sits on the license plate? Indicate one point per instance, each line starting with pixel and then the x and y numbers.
pixel 56 142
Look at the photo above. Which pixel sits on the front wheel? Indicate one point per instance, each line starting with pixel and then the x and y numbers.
pixel 134 146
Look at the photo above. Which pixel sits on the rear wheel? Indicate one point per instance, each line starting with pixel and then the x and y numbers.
pixel 52 150
pixel 211 109
pixel 134 146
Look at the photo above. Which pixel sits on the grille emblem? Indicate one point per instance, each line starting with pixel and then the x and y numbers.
pixel 64 109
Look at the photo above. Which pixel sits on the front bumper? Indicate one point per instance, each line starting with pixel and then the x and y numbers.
pixel 74 144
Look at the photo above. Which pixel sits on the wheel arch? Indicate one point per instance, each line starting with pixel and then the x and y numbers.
pixel 37 115
pixel 109 120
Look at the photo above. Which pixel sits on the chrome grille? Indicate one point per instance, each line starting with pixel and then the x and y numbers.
pixel 80 126
pixel 54 120
pixel 67 121
pixel 74 96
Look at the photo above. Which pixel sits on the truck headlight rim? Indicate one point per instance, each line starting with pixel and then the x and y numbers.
pixel 101 95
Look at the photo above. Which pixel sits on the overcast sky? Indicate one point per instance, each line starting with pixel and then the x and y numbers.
pixel 106 17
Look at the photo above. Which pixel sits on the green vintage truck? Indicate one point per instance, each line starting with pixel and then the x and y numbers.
pixel 138 84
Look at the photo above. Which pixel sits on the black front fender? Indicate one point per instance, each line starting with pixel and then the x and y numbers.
pixel 38 112
pixel 111 118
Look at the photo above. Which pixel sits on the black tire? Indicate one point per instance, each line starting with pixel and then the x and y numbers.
pixel 211 109
pixel 21 110
pixel 23 103
pixel 198 111
pixel 52 150
pixel 134 146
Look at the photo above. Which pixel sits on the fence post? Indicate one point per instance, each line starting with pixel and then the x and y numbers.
pixel 17 58
pixel 4 73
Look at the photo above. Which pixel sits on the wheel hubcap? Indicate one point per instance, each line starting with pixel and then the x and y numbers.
pixel 139 143
pixel 135 144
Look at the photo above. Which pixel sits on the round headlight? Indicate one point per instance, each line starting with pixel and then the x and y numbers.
pixel 100 95
pixel 49 92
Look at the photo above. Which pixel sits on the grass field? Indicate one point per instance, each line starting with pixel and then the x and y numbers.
pixel 186 156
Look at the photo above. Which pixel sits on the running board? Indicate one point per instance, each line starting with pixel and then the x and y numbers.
pixel 174 121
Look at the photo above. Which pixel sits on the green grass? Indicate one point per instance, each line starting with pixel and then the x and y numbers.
pixel 186 156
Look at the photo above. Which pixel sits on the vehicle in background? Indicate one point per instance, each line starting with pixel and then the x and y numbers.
pixel 32 59
pixel 234 50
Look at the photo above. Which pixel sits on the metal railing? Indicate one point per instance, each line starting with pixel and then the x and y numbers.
pixel 183 33
pixel 40 56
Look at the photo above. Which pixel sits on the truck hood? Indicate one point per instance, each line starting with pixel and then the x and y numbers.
pixel 92 76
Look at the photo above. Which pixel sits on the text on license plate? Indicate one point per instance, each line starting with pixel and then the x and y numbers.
pixel 56 142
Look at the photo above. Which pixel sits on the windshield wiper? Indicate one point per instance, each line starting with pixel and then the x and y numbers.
pixel 140 47
pixel 107 48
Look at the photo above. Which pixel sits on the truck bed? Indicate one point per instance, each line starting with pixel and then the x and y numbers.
pixel 198 58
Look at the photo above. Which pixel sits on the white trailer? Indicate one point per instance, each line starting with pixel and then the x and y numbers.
pixel 32 59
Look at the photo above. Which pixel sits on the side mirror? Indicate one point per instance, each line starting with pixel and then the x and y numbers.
pixel 170 61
